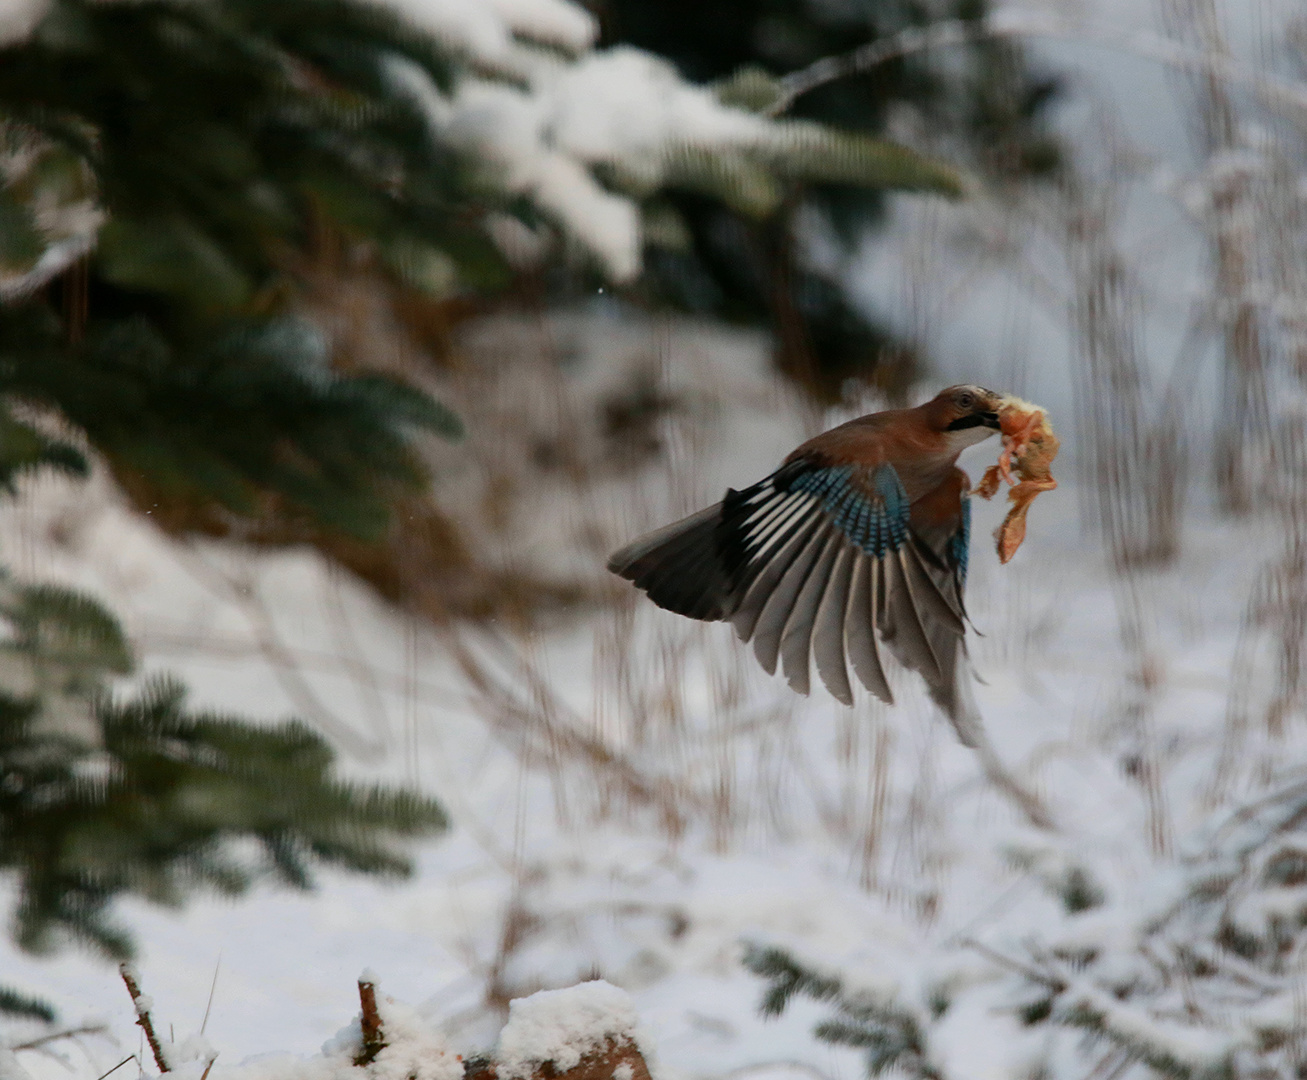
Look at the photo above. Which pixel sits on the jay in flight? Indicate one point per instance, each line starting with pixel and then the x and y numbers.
pixel 857 542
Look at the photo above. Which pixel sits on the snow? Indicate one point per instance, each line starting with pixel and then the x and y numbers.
pixel 18 18
pixel 1192 1047
pixel 782 839
pixel 488 32
pixel 621 108
pixel 10 1068
pixel 563 1026
pixel 632 797
pixel 413 1051
pixel 537 109
pixel 511 130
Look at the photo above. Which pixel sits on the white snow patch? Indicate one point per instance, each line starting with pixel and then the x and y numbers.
pixel 562 1026
pixel 413 1051
pixel 511 130
pixel 18 18
pixel 621 108
pixel 487 32
pixel 1194 1047
pixel 10 1068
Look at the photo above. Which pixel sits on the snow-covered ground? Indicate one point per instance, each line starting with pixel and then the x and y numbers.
pixel 723 808
pixel 632 798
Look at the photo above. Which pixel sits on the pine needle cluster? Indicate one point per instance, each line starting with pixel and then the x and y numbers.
pixel 104 796
pixel 891 1034
pixel 171 174
pixel 166 168
pixel 216 142
pixel 983 105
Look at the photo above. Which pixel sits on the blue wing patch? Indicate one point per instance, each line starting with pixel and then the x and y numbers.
pixel 959 544
pixel 875 520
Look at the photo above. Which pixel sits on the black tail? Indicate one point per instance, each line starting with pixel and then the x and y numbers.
pixel 680 566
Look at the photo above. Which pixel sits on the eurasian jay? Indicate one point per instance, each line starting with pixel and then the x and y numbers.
pixel 861 534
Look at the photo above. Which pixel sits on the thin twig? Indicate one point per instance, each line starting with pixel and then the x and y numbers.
pixel 1027 25
pixel 212 987
pixel 1054 984
pixel 129 1057
pixel 85 1029
pixel 1031 805
pixel 143 1015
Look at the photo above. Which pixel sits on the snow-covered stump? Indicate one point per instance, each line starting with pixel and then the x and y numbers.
pixel 584 1032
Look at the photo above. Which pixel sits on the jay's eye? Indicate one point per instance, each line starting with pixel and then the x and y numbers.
pixel 966 400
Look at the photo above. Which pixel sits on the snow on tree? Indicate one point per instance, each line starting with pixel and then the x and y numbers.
pixel 170 174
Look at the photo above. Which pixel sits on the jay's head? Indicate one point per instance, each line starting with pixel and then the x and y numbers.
pixel 965 414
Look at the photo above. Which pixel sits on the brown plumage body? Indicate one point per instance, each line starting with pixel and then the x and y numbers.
pixel 916 442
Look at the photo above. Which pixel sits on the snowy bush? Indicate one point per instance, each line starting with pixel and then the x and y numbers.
pixel 1196 973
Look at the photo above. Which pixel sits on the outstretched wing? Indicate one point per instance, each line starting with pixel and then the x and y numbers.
pixel 821 563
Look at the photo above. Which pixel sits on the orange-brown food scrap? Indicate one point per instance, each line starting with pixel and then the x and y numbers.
pixel 988 486
pixel 1029 447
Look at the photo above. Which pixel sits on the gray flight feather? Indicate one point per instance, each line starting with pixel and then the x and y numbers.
pixel 828 629
pixel 796 640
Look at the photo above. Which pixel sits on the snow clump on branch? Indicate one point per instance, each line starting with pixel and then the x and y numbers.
pixel 620 110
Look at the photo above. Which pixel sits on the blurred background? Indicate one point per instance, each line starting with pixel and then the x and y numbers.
pixel 342 340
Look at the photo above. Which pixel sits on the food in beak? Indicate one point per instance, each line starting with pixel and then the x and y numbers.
pixel 1029 447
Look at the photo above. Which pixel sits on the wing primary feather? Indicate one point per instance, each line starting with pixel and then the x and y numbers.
pixel 905 635
pixel 928 594
pixel 771 535
pixel 752 540
pixel 776 610
pixel 828 627
pixel 749 537
pixel 762 581
pixel 772 520
pixel 908 578
pixel 796 638
pixel 879 609
pixel 860 628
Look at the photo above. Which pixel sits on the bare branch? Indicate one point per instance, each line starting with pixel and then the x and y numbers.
pixel 142 1005
pixel 1004 25
pixel 55 1036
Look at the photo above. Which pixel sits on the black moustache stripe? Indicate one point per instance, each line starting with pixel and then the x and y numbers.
pixel 986 419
